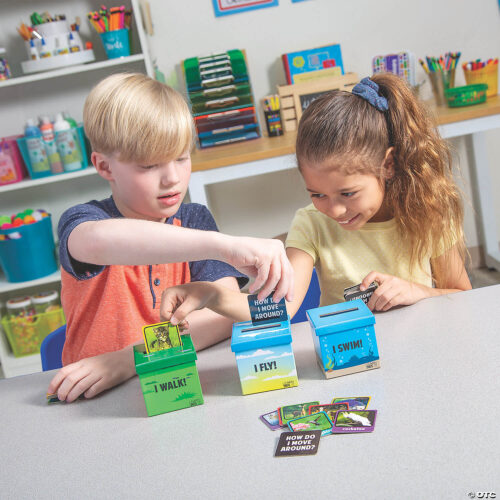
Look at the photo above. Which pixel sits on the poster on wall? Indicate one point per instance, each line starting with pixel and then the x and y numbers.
pixel 226 7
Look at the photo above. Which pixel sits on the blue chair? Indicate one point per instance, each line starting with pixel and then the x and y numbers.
pixel 311 300
pixel 51 349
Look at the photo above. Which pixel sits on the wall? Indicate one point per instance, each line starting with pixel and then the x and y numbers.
pixel 363 28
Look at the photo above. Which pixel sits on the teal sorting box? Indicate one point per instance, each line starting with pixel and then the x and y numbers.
pixel 169 378
pixel 344 338
pixel 264 356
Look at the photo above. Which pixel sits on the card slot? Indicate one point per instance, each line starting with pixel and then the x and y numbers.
pixel 338 312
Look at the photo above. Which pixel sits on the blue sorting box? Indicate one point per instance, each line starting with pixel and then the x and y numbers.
pixel 264 356
pixel 344 338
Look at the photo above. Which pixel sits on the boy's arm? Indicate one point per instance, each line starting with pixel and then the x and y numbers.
pixel 180 301
pixel 90 376
pixel 138 242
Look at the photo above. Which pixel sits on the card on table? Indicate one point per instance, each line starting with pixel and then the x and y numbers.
pixel 266 311
pixel 287 413
pixel 354 292
pixel 52 398
pixel 354 421
pixel 160 336
pixel 298 443
pixel 354 402
pixel 316 422
pixel 271 420
pixel 328 407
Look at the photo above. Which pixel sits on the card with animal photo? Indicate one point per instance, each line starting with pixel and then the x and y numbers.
pixel 290 412
pixel 354 402
pixel 328 407
pixel 297 443
pixel 271 420
pixel 316 422
pixel 354 421
pixel 160 336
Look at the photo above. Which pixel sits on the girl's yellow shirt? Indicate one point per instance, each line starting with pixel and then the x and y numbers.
pixel 343 258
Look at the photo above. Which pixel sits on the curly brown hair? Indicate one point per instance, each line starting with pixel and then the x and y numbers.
pixel 422 194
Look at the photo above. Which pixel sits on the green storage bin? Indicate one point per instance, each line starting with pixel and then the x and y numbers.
pixel 466 96
pixel 169 378
pixel 25 334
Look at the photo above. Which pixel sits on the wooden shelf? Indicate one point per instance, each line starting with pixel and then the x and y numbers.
pixel 70 70
pixel 445 115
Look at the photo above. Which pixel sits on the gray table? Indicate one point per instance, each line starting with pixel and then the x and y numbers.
pixel 437 432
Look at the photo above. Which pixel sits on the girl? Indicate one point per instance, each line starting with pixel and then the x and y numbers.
pixel 384 206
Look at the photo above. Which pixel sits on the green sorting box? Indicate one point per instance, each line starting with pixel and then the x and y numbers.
pixel 169 378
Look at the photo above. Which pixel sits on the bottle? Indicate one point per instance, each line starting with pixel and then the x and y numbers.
pixel 19 307
pixel 61 48
pixel 8 172
pixel 44 51
pixel 49 139
pixel 74 130
pixel 33 51
pixel 4 66
pixel 66 145
pixel 45 301
pixel 36 147
pixel 73 45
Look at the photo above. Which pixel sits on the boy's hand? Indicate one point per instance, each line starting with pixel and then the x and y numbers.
pixel 266 260
pixel 392 291
pixel 178 301
pixel 90 376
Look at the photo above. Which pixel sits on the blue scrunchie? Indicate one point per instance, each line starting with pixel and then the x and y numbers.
pixel 368 90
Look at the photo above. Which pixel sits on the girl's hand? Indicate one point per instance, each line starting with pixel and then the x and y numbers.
pixel 178 301
pixel 90 376
pixel 392 291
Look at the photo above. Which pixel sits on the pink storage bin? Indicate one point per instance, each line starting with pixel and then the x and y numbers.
pixel 20 171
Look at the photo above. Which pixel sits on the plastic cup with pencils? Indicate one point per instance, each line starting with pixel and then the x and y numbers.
pixel 113 26
pixel 272 115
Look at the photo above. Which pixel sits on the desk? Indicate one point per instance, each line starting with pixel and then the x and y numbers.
pixel 436 434
pixel 264 155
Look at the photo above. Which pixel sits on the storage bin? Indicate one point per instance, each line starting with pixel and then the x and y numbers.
pixel 21 141
pixel 487 75
pixel 31 254
pixel 344 338
pixel 169 378
pixel 20 172
pixel 26 333
pixel 264 356
pixel 116 43
pixel 466 95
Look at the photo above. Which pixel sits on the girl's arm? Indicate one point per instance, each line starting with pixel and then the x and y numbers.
pixel 393 291
pixel 180 301
pixel 139 242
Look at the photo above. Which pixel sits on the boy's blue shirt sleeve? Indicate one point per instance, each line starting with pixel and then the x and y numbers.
pixel 71 218
pixel 196 216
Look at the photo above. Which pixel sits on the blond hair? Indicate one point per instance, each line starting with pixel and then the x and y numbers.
pixel 138 119
pixel 422 194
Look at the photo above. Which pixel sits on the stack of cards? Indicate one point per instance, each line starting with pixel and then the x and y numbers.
pixel 161 336
pixel 354 292
pixel 341 416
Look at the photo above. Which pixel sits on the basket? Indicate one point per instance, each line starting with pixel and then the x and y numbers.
pixel 25 334
pixel 35 175
pixel 487 75
pixel 466 95
pixel 19 168
pixel 28 252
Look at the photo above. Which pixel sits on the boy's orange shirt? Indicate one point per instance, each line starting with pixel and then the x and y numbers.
pixel 107 306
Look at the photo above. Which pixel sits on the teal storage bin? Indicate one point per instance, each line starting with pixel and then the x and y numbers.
pixel 30 256
pixel 21 142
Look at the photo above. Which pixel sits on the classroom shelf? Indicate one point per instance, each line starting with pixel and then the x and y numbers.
pixel 29 183
pixel 6 286
pixel 70 70
pixel 12 366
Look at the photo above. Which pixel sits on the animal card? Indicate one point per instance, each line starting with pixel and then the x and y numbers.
pixel 354 292
pixel 354 402
pixel 266 311
pixel 291 412
pixel 271 420
pixel 161 336
pixel 354 421
pixel 316 422
pixel 298 443
pixel 328 407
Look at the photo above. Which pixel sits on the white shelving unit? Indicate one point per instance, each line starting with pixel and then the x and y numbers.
pixel 25 96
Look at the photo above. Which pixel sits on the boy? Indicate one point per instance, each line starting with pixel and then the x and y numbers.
pixel 118 254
